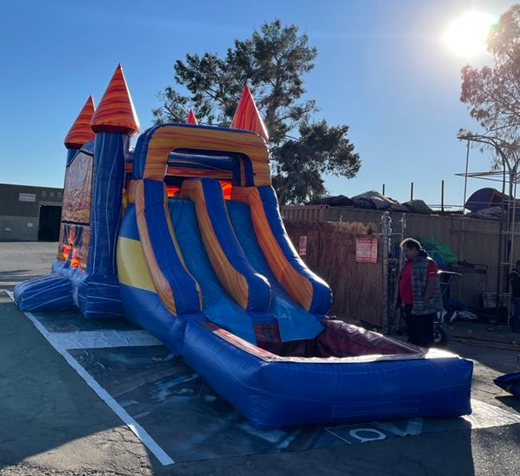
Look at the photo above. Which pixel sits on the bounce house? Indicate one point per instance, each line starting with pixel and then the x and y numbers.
pixel 184 237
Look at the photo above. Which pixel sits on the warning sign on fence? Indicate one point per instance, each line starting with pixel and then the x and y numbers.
pixel 303 246
pixel 366 250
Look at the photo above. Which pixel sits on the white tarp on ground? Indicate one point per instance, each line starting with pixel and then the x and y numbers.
pixel 483 416
pixel 100 339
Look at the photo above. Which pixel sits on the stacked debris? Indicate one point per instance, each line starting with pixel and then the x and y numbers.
pixel 489 204
pixel 374 201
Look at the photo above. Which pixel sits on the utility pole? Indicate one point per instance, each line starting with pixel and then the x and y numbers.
pixel 466 179
pixel 442 196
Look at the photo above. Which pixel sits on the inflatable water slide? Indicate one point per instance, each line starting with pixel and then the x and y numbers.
pixel 183 236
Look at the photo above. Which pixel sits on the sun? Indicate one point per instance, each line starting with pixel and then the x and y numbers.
pixel 466 36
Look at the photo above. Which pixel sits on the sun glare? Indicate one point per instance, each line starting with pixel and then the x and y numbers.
pixel 467 35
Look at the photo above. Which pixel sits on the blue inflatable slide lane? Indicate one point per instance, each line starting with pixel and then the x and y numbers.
pixel 184 237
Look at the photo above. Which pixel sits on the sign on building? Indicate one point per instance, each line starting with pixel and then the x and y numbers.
pixel 27 197
pixel 366 250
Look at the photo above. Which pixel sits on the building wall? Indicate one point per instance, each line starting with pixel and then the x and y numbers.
pixel 472 240
pixel 20 210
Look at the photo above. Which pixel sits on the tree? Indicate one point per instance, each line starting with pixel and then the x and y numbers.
pixel 272 62
pixel 302 162
pixel 493 93
pixel 493 98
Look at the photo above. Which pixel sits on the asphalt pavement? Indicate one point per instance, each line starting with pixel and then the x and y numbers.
pixel 52 423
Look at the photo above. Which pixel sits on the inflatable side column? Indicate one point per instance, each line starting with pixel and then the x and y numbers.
pixel 79 134
pixel 54 291
pixel 114 122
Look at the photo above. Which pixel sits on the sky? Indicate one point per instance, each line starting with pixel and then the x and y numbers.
pixel 383 68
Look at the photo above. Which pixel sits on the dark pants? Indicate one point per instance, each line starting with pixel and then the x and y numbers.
pixel 420 328
pixel 515 318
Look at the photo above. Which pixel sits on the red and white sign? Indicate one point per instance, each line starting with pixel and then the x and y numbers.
pixel 366 250
pixel 303 246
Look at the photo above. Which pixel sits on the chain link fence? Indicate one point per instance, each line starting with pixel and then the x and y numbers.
pixel 393 233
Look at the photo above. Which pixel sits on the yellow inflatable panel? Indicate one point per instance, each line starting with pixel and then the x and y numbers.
pixel 131 265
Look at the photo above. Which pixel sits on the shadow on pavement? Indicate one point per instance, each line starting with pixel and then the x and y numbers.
pixel 8 279
pixel 46 408
pixel 501 360
pixel 45 405
pixel 510 401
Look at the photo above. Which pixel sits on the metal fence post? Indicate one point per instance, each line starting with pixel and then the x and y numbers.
pixel 386 222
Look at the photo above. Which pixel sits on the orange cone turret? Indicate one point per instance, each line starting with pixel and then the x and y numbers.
pixel 191 118
pixel 116 112
pixel 80 133
pixel 247 116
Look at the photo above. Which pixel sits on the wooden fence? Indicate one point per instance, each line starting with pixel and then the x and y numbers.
pixel 330 252
pixel 472 240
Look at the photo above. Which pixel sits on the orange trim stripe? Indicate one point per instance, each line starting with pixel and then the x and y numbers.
pixel 168 138
pixel 176 244
pixel 160 282
pixel 298 287
pixel 234 282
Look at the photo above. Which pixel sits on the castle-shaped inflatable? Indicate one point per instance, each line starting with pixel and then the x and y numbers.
pixel 183 236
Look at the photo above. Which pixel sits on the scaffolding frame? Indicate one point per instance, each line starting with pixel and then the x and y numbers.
pixel 505 260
